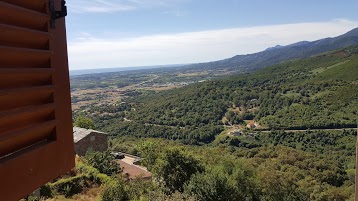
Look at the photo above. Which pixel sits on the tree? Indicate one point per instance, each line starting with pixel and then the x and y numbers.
pixel 175 168
pixel 278 186
pixel 84 122
pixel 149 152
pixel 211 186
pixel 115 191
pixel 104 162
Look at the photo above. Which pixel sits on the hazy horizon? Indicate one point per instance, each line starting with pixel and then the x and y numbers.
pixel 108 34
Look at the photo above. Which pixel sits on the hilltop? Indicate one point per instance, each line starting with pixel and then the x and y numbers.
pixel 277 54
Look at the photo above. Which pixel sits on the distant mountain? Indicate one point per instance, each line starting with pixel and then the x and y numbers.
pixel 275 47
pixel 277 54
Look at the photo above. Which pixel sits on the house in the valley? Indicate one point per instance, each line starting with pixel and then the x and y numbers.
pixel 87 140
pixel 251 125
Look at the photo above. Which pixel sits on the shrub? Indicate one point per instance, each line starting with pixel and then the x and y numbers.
pixel 84 122
pixel 69 186
pixel 175 168
pixel 211 186
pixel 104 162
pixel 115 191
pixel 103 178
pixel 92 173
pixel 46 191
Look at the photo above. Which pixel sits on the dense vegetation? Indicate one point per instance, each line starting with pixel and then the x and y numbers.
pixel 273 162
pixel 312 165
pixel 315 93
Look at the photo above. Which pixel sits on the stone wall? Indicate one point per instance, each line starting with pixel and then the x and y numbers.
pixel 92 142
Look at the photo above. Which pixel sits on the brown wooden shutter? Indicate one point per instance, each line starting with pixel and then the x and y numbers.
pixel 36 140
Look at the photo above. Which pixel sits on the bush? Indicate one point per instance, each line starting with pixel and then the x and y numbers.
pixel 46 191
pixel 69 186
pixel 104 162
pixel 211 187
pixel 175 168
pixel 92 173
pixel 84 122
pixel 87 169
pixel 87 176
pixel 115 191
pixel 103 178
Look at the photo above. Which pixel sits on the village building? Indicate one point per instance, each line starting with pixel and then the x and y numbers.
pixel 87 140
pixel 251 125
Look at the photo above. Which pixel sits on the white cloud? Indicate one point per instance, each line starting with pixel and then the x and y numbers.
pixel 177 13
pixel 108 6
pixel 80 6
pixel 91 52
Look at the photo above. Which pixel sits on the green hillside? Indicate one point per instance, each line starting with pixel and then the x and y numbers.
pixel 264 163
pixel 317 92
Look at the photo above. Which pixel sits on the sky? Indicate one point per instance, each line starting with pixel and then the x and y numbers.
pixel 130 33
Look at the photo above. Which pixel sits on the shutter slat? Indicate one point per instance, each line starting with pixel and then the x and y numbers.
pixel 38 5
pixel 24 117
pixel 29 121
pixel 33 52
pixel 31 97
pixel 23 37
pixel 29 109
pixel 24 90
pixel 20 139
pixel 25 96
pixel 10 71
pixel 23 17
pixel 17 78
pixel 30 58
pixel 19 132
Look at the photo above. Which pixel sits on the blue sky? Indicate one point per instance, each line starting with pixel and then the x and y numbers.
pixel 124 33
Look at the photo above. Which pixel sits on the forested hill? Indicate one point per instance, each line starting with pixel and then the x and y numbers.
pixel 317 92
pixel 275 55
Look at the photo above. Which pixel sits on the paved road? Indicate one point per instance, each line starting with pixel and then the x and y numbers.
pixel 330 129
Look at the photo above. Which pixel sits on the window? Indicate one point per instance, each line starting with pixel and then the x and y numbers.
pixel 93 138
pixel 36 142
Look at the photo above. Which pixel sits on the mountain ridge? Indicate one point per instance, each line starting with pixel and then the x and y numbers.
pixel 277 54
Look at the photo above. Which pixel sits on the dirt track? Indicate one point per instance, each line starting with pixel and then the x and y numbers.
pixel 329 129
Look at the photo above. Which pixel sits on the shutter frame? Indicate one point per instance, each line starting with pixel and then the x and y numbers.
pixel 36 137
